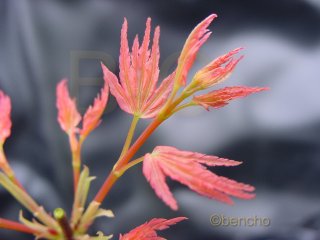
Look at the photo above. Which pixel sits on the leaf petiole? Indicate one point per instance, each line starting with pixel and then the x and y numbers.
pixel 122 170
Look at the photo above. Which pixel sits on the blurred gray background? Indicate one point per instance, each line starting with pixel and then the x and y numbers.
pixel 276 133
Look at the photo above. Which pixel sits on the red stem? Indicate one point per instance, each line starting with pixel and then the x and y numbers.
pixel 104 190
pixel 11 225
pixel 68 233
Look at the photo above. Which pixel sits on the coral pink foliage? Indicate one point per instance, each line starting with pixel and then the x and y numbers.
pixel 188 168
pixel 196 39
pixel 221 97
pixel 93 114
pixel 147 231
pixel 137 92
pixel 5 120
pixel 68 115
pixel 217 70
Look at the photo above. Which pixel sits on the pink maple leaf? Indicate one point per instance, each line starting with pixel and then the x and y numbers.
pixel 196 39
pixel 137 93
pixel 217 71
pixel 188 168
pixel 92 117
pixel 221 97
pixel 5 120
pixel 147 231
pixel 69 117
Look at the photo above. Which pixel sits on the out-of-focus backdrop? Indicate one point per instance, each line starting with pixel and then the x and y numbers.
pixel 276 133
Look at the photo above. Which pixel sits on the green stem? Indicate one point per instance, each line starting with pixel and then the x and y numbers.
pixel 4 165
pixel 76 163
pixel 168 110
pixel 112 178
pixel 130 135
pixel 27 201
pixel 122 170
pixel 87 218
pixel 183 106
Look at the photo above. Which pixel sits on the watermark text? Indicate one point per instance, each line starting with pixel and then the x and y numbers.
pixel 218 220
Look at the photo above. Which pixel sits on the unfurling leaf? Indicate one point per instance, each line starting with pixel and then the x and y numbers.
pixel 220 98
pixel 216 71
pixel 91 118
pixel 196 39
pixel 68 115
